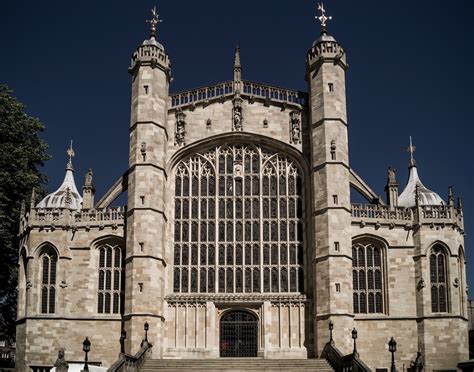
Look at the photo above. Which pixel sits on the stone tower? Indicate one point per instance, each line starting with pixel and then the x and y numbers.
pixel 330 205
pixel 146 219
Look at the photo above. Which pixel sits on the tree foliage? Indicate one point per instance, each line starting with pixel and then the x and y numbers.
pixel 22 153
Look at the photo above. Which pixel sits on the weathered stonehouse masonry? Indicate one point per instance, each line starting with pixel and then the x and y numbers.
pixel 239 237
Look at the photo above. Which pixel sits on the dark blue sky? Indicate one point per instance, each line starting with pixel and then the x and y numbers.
pixel 410 74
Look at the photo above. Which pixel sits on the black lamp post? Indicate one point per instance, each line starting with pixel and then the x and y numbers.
pixel 354 337
pixel 392 347
pixel 146 327
pixel 86 347
pixel 123 336
pixel 331 327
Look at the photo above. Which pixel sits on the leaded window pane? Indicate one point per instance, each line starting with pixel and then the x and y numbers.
pixel 367 279
pixel 259 211
pixel 438 278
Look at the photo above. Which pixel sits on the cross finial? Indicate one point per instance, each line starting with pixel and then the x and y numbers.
pixel 155 19
pixel 411 149
pixel 71 154
pixel 323 18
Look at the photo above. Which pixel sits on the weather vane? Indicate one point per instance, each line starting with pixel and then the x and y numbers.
pixel 411 149
pixel 155 19
pixel 70 152
pixel 323 18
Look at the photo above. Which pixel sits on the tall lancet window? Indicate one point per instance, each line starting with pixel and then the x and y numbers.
pixel 49 260
pixel 367 278
pixel 238 222
pixel 438 279
pixel 110 279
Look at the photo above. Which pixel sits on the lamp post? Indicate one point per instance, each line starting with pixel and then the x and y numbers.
pixel 146 327
pixel 354 337
pixel 86 347
pixel 392 347
pixel 331 327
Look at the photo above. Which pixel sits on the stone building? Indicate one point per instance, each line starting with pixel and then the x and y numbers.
pixel 239 237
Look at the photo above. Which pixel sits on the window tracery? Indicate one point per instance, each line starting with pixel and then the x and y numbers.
pixel 438 279
pixel 239 210
pixel 367 278
pixel 49 261
pixel 109 292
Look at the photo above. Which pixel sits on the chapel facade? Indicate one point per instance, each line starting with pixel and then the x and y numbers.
pixel 239 238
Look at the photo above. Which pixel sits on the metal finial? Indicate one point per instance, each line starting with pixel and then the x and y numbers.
pixel 323 18
pixel 411 149
pixel 155 19
pixel 71 154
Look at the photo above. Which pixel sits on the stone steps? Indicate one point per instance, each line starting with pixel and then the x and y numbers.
pixel 236 365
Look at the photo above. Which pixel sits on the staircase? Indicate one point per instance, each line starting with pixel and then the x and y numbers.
pixel 235 365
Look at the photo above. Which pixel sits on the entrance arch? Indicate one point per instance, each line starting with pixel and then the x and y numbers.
pixel 238 334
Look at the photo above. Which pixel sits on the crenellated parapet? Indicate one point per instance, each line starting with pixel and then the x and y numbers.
pixel 150 53
pixel 429 215
pixel 65 219
pixel 325 49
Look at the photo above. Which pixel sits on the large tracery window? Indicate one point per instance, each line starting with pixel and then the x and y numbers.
pixel 238 222
pixel 49 260
pixel 367 278
pixel 438 280
pixel 110 279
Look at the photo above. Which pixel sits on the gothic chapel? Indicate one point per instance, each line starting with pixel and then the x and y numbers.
pixel 239 238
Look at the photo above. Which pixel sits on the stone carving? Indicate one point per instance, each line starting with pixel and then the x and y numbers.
pixel 295 127
pixel 63 284
pixel 237 114
pixel 180 130
pixel 60 363
pixel 391 175
pixel 88 178
pixel 417 365
pixel 143 150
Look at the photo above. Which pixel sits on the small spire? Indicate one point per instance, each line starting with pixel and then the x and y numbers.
pixel 71 154
pixel 237 56
pixel 155 19
pixel 450 195
pixel 411 149
pixel 323 18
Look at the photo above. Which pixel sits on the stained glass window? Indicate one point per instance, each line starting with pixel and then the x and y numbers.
pixel 110 289
pixel 243 206
pixel 367 278
pixel 438 274
pixel 49 260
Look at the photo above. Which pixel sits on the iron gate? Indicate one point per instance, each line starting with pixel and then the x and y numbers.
pixel 239 334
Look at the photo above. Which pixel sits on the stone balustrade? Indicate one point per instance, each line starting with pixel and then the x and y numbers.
pixel 424 214
pixel 250 89
pixel 63 217
pixel 201 94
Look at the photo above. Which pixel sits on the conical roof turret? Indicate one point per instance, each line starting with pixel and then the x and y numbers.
pixel 66 196
pixel 415 187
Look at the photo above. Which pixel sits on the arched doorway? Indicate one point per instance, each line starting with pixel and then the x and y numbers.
pixel 238 334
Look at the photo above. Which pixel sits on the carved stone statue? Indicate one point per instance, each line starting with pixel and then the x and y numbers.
pixel 180 131
pixel 295 127
pixel 60 363
pixel 391 175
pixel 237 114
pixel 417 365
pixel 88 178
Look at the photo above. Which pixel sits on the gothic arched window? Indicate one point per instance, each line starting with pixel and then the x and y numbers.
pixel 438 279
pixel 110 279
pixel 49 260
pixel 238 222
pixel 367 278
